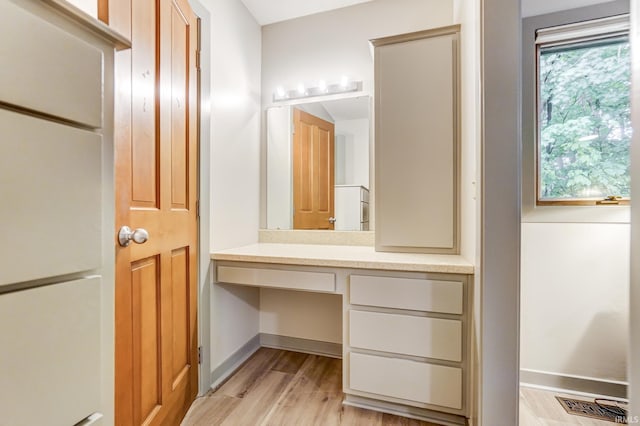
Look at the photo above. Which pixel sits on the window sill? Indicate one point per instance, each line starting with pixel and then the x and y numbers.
pixel 576 214
pixel 573 202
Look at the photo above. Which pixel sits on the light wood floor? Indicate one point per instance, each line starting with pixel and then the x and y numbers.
pixel 283 388
pixel 540 408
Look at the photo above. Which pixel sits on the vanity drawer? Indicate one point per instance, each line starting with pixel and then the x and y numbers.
pixel 48 70
pixel 409 380
pixel 295 280
pixel 407 293
pixel 405 334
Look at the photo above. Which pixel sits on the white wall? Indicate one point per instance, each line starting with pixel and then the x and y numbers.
pixel 575 260
pixel 235 127
pixel 353 157
pixel 234 165
pixel 332 44
pixel 313 316
pixel 539 7
pixel 574 290
pixel 327 46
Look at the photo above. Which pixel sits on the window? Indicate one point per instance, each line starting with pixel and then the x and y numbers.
pixel 583 118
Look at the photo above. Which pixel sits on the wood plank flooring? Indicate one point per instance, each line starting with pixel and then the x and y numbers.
pixel 540 408
pixel 281 388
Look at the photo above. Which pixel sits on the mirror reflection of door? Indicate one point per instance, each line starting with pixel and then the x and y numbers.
pixel 313 172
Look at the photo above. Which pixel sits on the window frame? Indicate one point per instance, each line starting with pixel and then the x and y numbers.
pixel 572 33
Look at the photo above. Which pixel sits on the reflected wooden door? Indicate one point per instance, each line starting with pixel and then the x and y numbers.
pixel 313 172
pixel 156 371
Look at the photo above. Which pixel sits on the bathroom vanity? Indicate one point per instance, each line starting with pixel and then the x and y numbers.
pixel 406 303
pixel 405 319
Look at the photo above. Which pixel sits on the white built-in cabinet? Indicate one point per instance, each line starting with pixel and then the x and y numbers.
pixel 417 141
pixel 405 340
pixel 56 214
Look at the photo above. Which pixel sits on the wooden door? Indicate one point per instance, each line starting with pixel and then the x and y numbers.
pixel 156 370
pixel 313 172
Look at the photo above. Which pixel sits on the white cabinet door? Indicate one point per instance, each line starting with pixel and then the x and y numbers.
pixel 50 199
pixel 416 142
pixel 50 354
pixel 48 70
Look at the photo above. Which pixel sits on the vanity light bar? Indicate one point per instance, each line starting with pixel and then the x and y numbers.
pixel 322 89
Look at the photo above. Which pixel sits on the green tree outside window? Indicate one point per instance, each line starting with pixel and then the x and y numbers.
pixel 584 120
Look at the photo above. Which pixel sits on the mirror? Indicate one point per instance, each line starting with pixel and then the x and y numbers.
pixel 318 165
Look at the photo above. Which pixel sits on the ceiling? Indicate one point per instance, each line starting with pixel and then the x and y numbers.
pixel 270 11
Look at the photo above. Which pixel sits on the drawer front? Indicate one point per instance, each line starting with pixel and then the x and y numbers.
pixel 408 380
pixel 50 337
pixel 408 335
pixel 406 293
pixel 295 280
pixel 51 198
pixel 49 70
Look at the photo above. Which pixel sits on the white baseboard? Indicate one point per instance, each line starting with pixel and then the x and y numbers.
pixel 314 347
pixel 231 364
pixel 573 384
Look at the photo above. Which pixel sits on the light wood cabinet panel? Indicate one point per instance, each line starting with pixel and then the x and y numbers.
pixel 406 293
pixel 404 334
pixel 409 380
pixel 417 142
pixel 52 71
pixel 51 192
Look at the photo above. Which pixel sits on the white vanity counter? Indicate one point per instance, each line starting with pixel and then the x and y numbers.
pixel 361 257
pixel 404 315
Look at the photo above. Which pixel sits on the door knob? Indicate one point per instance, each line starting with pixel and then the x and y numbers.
pixel 332 220
pixel 126 235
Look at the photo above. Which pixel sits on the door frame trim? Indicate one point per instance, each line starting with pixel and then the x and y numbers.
pixel 205 277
